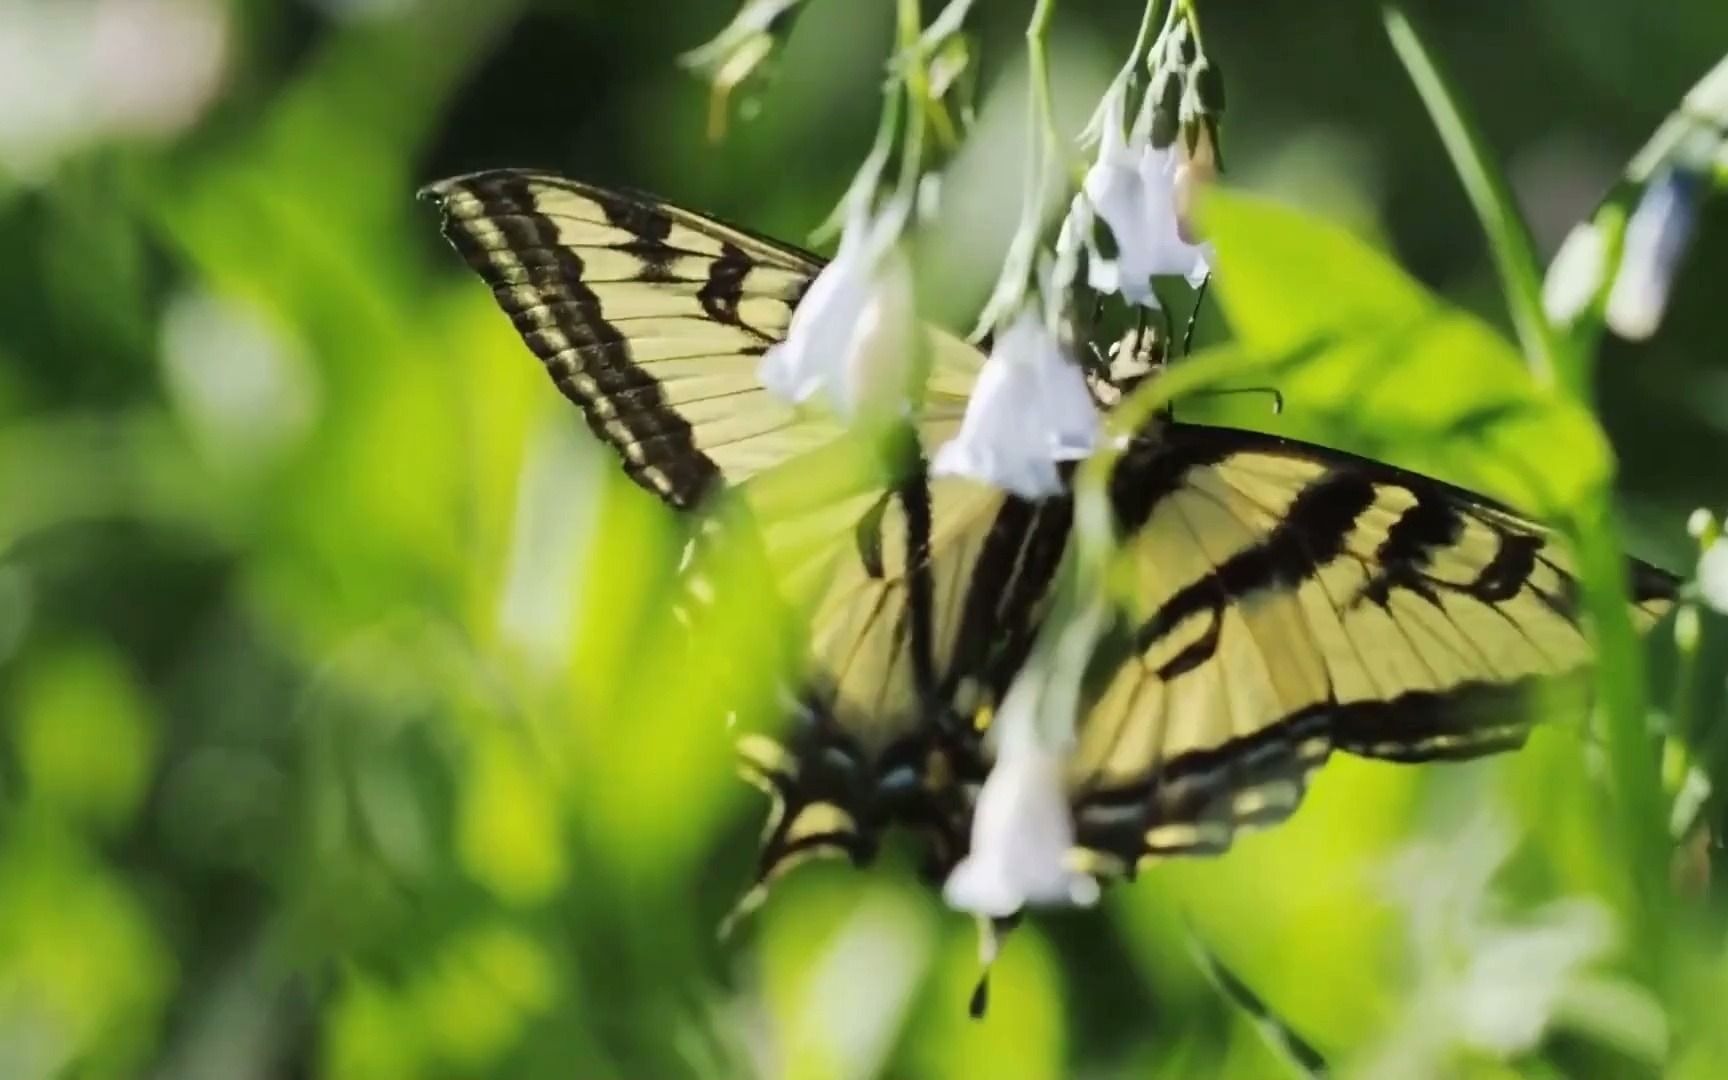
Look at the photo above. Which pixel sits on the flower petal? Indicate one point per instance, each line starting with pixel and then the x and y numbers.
pixel 1656 239
pixel 852 337
pixel 1575 274
pixel 1516 978
pixel 1022 831
pixel 1133 186
pixel 1030 409
pixel 1713 575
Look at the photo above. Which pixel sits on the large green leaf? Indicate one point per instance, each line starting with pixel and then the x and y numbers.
pixel 1371 361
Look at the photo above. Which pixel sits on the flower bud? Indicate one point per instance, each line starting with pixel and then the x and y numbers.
pixel 1030 410
pixel 1701 526
pixel 1208 84
pixel 1657 237
pixel 1198 168
pixel 1575 275
pixel 1713 576
pixel 1164 98
pixel 1180 46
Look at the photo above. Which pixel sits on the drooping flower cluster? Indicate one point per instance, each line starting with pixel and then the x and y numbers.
pixel 852 345
pixel 1145 182
pixel 1656 240
pixel 1032 408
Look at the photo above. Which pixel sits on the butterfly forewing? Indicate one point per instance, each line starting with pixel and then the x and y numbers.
pixel 652 319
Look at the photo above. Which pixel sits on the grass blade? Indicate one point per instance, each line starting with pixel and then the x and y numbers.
pixel 1508 238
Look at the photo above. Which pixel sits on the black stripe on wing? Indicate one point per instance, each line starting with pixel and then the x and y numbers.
pixel 500 222
pixel 1440 503
pixel 1197 799
pixel 1194 804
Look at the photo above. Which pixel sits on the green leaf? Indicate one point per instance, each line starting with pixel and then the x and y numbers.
pixel 1369 360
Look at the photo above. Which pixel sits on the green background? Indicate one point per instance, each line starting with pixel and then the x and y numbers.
pixel 333 740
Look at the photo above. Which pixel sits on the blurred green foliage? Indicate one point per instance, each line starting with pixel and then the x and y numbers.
pixel 337 736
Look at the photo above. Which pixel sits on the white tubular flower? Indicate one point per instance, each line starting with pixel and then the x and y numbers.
pixel 1135 188
pixel 1022 843
pixel 853 337
pixel 1512 988
pixel 1656 239
pixel 1022 827
pixel 1485 982
pixel 1030 410
pixel 1575 274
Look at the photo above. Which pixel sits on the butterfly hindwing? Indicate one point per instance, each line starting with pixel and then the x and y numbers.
pixel 925 620
pixel 1293 601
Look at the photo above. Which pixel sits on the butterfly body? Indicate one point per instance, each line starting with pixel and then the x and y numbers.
pixel 1287 600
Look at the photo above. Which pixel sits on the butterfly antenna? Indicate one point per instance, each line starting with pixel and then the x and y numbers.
pixel 1194 314
pixel 1101 362
pixel 1164 355
pixel 1164 316
pixel 991 931
pixel 1300 1057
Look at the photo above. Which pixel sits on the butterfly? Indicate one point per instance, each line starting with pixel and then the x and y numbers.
pixel 1289 600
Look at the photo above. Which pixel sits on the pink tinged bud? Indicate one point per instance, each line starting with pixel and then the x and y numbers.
pixel 1198 169
pixel 1575 275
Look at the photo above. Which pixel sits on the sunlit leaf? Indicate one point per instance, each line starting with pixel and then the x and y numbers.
pixel 1365 355
pixel 86 736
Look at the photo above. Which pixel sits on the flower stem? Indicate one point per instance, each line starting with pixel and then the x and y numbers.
pixel 913 47
pixel 1124 78
pixel 1191 11
pixel 1043 103
pixel 917 89
pixel 862 190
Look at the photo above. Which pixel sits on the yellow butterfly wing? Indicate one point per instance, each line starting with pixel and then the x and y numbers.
pixel 1292 600
pixel 653 320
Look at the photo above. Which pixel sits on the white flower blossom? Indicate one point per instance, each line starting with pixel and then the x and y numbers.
pixel 1030 409
pixel 1135 187
pixel 1022 827
pixel 1713 575
pixel 1484 982
pixel 1517 976
pixel 1657 237
pixel 853 337
pixel 1575 274
pixel 1022 843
